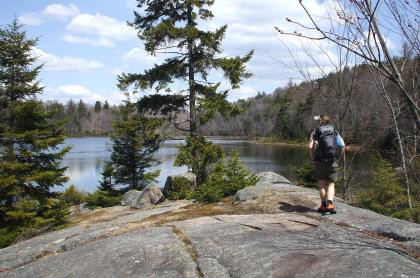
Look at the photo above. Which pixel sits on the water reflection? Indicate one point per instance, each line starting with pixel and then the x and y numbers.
pixel 88 156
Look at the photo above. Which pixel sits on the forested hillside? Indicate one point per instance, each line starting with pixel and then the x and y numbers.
pixel 352 97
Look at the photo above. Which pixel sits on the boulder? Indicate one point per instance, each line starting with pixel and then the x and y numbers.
pixel 130 197
pixel 271 177
pixel 192 182
pixel 151 195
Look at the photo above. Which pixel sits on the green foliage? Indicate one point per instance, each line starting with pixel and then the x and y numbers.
pixel 174 25
pixel 98 106
pixel 198 154
pixel 106 105
pixel 306 175
pixel 31 218
pixel 385 194
pixel 103 199
pixel 134 143
pixel 29 139
pixel 181 189
pixel 226 178
pixel 107 184
pixel 72 196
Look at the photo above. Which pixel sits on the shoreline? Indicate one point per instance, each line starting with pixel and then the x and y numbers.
pixel 252 140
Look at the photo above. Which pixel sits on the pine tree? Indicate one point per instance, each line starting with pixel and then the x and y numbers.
pixel 81 109
pixel 29 139
pixel 98 106
pixel 134 143
pixel 171 27
pixel 385 195
pixel 72 118
pixel 106 105
pixel 107 184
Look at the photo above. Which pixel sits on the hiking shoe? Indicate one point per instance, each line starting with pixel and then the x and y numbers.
pixel 322 209
pixel 330 208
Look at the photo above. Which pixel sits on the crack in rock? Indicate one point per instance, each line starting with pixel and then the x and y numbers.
pixel 188 246
pixel 246 225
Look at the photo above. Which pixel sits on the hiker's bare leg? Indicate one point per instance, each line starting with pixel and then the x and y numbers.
pixel 330 191
pixel 322 191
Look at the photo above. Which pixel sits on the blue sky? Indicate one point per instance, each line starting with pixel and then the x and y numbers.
pixel 86 44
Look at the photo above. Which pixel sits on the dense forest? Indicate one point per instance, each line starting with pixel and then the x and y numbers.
pixel 81 119
pixel 358 111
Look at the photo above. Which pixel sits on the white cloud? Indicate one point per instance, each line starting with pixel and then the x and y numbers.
pixel 61 11
pixel 103 42
pixel 245 91
pixel 31 19
pixel 64 63
pixel 139 55
pixel 102 26
pixel 66 92
pixel 251 26
pixel 55 11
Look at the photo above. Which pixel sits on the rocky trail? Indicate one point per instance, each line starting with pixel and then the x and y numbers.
pixel 269 230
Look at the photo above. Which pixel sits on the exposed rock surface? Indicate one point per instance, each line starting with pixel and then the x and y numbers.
pixel 113 221
pixel 192 180
pixel 149 196
pixel 272 231
pixel 271 177
pixel 280 197
pixel 130 197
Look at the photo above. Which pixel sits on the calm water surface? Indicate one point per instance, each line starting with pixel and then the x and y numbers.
pixel 88 156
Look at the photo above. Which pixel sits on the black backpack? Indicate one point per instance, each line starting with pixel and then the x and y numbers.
pixel 327 147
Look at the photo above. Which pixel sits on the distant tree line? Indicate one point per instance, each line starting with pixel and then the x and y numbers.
pixel 81 119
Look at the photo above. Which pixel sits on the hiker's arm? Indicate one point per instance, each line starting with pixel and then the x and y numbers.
pixel 342 150
pixel 311 147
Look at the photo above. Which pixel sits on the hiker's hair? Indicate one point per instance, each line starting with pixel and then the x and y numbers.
pixel 325 118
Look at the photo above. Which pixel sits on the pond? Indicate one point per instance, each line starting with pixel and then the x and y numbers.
pixel 88 156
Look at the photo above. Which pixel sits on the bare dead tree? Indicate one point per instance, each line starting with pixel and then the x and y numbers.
pixel 363 35
pixel 380 82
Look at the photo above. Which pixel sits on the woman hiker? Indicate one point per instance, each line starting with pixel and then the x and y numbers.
pixel 325 148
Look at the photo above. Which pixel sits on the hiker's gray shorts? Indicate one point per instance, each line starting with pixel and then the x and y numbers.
pixel 326 170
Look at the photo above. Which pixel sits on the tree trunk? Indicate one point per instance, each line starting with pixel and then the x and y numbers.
pixel 193 123
pixel 400 142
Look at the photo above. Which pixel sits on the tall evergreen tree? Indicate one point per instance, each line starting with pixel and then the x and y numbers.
pixel 106 105
pixel 82 109
pixel 29 139
pixel 72 118
pixel 171 27
pixel 134 143
pixel 107 184
pixel 98 106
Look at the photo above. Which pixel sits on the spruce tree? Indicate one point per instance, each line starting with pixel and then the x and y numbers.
pixel 98 106
pixel 107 184
pixel 171 27
pixel 29 139
pixel 134 142
pixel 106 105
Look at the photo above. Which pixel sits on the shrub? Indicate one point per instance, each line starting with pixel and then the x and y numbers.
pixel 73 196
pixel 306 175
pixel 53 215
pixel 198 154
pixel 103 199
pixel 385 194
pixel 181 189
pixel 226 178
